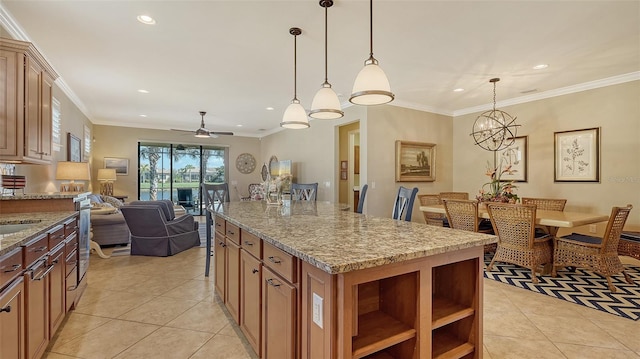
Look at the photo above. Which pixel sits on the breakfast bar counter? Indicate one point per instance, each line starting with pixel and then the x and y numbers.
pixel 325 282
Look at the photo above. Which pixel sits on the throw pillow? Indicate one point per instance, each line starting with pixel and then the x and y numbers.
pixel 112 201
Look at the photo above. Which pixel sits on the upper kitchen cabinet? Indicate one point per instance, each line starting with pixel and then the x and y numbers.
pixel 26 82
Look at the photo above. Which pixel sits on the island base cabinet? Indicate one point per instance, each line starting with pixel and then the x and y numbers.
pixel 11 320
pixel 250 299
pixel 232 292
pixel 220 264
pixel 278 317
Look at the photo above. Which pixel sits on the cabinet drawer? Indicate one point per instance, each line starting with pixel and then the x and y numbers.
pixel 11 265
pixel 233 233
pixel 36 249
pixel 219 224
pixel 70 226
pixel 71 284
pixel 251 243
pixel 280 261
pixel 56 236
pixel 71 262
pixel 71 244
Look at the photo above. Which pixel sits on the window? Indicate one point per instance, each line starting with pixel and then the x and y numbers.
pixel 55 126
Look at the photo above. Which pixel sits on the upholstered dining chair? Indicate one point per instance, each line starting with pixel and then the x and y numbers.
pixel 514 224
pixel 403 204
pixel 599 255
pixel 214 196
pixel 547 204
pixel 304 191
pixel 433 219
pixel 363 195
pixel 463 214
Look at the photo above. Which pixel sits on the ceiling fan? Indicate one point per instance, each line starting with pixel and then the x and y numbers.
pixel 202 132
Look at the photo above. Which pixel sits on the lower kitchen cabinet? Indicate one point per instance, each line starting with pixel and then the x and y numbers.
pixel 12 320
pixel 36 281
pixel 278 317
pixel 220 250
pixel 250 299
pixel 57 289
pixel 232 298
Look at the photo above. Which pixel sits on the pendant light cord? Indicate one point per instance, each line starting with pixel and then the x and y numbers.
pixel 494 96
pixel 295 67
pixel 326 76
pixel 371 28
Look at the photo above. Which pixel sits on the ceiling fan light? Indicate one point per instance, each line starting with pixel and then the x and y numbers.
pixel 295 117
pixel 371 86
pixel 326 105
pixel 202 133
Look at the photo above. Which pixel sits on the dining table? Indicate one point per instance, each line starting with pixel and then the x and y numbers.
pixel 553 220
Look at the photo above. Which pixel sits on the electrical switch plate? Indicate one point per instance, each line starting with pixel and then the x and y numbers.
pixel 373 185
pixel 234 183
pixel 317 309
pixel 592 228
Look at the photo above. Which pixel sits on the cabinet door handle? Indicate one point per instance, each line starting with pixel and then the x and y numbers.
pixel 231 232
pixel 275 260
pixel 40 249
pixel 222 244
pixel 43 275
pixel 249 243
pixel 14 268
pixel 254 271
pixel 272 283
pixel 6 309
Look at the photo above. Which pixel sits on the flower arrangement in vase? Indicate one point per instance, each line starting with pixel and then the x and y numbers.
pixel 497 190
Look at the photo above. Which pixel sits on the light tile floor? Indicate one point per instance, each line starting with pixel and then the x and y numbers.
pixel 151 307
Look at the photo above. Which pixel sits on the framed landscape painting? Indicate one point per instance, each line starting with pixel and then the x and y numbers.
pixel 121 165
pixel 577 155
pixel 415 161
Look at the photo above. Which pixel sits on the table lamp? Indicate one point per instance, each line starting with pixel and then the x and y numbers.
pixel 71 171
pixel 106 177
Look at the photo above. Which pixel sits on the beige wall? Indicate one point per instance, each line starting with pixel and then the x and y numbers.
pixel 385 125
pixel 113 141
pixel 615 109
pixel 41 178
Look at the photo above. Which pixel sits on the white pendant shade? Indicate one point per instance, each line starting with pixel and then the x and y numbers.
pixel 326 105
pixel 295 117
pixel 371 86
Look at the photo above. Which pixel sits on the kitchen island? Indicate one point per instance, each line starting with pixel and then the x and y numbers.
pixel 312 280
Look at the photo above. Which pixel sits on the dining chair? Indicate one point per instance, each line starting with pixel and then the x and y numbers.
pixel 514 224
pixel 430 218
pixel 463 214
pixel 454 195
pixel 212 193
pixel 404 203
pixel 596 254
pixel 304 191
pixel 363 194
pixel 548 204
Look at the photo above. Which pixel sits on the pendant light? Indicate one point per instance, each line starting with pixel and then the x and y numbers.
pixel 326 105
pixel 494 130
pixel 295 117
pixel 371 86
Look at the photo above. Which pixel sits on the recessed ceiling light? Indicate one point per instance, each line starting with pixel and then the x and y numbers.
pixel 146 19
pixel 270 108
pixel 238 125
pixel 143 115
pixel 458 90
pixel 540 67
pixel 143 91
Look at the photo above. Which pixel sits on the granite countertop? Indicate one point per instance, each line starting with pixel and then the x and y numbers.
pixel 338 241
pixel 45 195
pixel 42 221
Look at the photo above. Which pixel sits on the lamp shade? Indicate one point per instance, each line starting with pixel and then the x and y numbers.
pixel 107 174
pixel 326 105
pixel 371 86
pixel 295 117
pixel 73 171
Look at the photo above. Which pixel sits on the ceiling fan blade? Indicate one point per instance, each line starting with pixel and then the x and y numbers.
pixel 221 133
pixel 175 129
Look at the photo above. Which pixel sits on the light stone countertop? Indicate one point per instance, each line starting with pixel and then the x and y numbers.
pixel 44 195
pixel 337 240
pixel 43 221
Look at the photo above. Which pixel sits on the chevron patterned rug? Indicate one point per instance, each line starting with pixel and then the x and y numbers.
pixel 580 287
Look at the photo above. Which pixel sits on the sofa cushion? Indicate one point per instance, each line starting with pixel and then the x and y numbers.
pixel 112 201
pixel 95 198
pixel 165 205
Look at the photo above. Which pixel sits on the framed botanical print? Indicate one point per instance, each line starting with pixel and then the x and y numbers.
pixel 514 157
pixel 577 155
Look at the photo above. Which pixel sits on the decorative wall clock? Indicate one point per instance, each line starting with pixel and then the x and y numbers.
pixel 245 163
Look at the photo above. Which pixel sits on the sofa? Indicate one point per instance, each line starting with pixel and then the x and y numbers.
pixel 108 226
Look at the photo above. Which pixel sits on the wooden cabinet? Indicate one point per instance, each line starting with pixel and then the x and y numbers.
pixel 356 159
pixel 12 305
pixel 36 281
pixel 278 317
pixel 232 293
pixel 251 298
pixel 220 254
pixel 57 288
pixel 25 106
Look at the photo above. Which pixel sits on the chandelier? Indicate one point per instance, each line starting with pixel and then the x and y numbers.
pixel 494 130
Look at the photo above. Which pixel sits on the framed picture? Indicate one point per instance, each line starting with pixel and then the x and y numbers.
pixel 577 155
pixel 344 165
pixel 343 175
pixel 515 156
pixel 415 161
pixel 121 165
pixel 73 148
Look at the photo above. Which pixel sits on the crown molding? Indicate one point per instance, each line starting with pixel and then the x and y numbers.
pixel 17 33
pixel 609 81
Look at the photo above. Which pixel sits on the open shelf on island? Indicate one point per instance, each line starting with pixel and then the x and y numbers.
pixel 445 312
pixel 450 347
pixel 377 331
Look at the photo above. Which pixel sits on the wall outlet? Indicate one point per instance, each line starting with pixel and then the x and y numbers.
pixel 317 310
pixel 373 184
pixel 593 228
